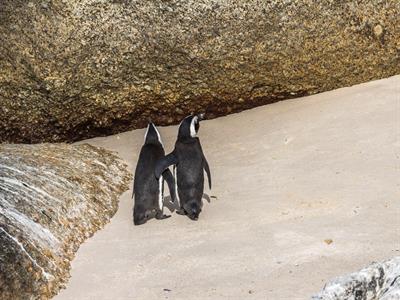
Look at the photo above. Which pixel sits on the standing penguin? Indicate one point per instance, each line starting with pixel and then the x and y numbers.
pixel 147 189
pixel 189 162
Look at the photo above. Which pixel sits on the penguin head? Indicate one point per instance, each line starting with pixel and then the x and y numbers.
pixel 152 136
pixel 189 127
pixel 193 210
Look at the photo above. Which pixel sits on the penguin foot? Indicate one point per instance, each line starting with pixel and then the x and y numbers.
pixel 181 211
pixel 139 222
pixel 160 216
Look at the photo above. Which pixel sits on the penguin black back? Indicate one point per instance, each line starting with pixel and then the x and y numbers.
pixel 147 189
pixel 190 163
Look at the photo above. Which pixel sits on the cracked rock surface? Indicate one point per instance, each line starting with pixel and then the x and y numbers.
pixel 52 197
pixel 74 69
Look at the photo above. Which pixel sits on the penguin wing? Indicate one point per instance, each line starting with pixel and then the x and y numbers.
pixel 133 188
pixel 164 163
pixel 205 164
pixel 169 178
pixel 207 169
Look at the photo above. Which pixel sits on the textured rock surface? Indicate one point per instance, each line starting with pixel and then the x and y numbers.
pixel 379 281
pixel 71 69
pixel 52 197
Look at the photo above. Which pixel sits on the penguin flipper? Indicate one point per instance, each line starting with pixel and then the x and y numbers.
pixel 169 178
pixel 207 169
pixel 164 163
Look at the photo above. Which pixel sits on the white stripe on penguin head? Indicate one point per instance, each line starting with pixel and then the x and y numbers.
pixel 158 135
pixel 147 131
pixel 193 132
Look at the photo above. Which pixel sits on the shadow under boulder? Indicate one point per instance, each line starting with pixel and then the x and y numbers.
pixel 52 198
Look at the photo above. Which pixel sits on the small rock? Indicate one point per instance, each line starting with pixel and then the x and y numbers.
pixel 377 281
pixel 378 30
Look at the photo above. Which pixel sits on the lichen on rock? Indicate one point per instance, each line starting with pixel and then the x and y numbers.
pixel 52 197
pixel 72 69
pixel 379 281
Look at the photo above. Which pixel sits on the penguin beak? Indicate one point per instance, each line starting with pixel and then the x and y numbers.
pixel 201 116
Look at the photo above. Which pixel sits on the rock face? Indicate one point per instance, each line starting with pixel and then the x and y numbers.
pixel 379 281
pixel 52 197
pixel 71 69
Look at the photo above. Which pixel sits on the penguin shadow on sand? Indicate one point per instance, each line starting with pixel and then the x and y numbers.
pixel 174 206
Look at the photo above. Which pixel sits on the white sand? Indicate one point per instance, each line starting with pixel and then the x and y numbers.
pixel 287 176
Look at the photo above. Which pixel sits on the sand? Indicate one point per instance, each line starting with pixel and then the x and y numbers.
pixel 307 190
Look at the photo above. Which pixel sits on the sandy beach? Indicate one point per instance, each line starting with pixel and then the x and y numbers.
pixel 306 190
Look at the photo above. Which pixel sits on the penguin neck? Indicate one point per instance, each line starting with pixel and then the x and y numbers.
pixel 153 142
pixel 187 140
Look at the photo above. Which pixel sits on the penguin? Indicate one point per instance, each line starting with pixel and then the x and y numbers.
pixel 189 165
pixel 147 189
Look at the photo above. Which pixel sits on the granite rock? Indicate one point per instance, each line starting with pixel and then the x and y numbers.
pixel 379 281
pixel 73 69
pixel 52 198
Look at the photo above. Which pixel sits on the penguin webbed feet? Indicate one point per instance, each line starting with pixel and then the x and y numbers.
pixel 181 211
pixel 137 222
pixel 161 216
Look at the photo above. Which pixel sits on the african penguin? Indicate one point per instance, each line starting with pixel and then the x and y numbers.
pixel 147 189
pixel 189 162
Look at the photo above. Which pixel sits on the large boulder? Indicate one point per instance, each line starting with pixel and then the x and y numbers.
pixel 379 281
pixel 52 197
pixel 79 68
